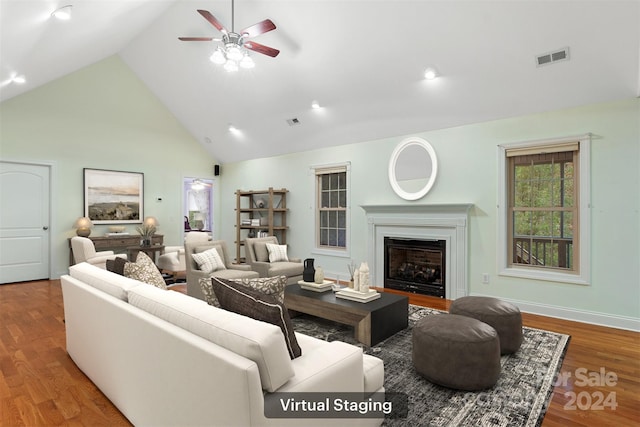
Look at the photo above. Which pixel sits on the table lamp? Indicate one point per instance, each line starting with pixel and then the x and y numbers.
pixel 83 226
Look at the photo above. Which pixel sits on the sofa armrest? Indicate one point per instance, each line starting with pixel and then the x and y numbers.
pixel 104 253
pixel 261 267
pixel 99 260
pixel 241 267
pixel 169 249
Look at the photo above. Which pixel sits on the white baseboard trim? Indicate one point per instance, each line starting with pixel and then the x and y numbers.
pixel 584 316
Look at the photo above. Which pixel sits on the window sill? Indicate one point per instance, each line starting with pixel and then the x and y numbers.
pixel 549 276
pixel 342 253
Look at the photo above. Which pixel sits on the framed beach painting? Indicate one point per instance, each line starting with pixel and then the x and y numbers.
pixel 113 197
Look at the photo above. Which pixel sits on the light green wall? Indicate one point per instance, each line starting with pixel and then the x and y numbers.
pixel 467 157
pixel 102 117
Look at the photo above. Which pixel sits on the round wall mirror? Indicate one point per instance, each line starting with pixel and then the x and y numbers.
pixel 413 168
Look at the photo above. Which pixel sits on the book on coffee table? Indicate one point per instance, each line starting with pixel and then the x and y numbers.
pixel 358 296
pixel 316 287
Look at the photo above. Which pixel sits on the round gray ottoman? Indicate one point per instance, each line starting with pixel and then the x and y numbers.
pixel 504 317
pixel 456 352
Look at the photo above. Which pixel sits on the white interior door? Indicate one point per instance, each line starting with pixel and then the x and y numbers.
pixel 24 222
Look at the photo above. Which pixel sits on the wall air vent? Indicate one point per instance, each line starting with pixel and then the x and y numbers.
pixel 551 57
pixel 293 122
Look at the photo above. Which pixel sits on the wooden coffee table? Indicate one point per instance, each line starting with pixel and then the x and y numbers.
pixel 373 321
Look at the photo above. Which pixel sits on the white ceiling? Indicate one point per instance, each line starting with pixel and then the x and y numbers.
pixel 362 60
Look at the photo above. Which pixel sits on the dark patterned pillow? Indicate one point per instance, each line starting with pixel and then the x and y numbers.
pixel 251 303
pixel 116 265
pixel 273 286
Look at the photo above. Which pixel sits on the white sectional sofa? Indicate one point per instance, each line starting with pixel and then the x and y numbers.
pixel 165 358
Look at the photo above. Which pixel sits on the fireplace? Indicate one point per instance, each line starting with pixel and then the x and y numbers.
pixel 445 222
pixel 414 265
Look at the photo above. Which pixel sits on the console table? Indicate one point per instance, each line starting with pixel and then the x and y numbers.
pixel 117 244
pixel 152 251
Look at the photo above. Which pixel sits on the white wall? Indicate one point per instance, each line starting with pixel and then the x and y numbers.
pixel 102 117
pixel 467 174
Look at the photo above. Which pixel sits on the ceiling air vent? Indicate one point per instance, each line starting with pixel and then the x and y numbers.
pixel 551 57
pixel 293 122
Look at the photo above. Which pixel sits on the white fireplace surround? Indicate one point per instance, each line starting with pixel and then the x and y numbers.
pixel 429 222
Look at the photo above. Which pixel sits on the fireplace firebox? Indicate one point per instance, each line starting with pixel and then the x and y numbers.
pixel 415 265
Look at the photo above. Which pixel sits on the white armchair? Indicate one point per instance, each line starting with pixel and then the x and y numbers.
pixel 84 251
pixel 172 260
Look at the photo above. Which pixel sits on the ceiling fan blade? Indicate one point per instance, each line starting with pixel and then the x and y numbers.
pixel 212 20
pixel 260 48
pixel 259 28
pixel 195 39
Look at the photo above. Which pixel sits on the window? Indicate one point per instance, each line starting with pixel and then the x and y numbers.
pixel 544 220
pixel 332 202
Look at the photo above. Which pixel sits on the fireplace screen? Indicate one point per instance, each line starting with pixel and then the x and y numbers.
pixel 415 265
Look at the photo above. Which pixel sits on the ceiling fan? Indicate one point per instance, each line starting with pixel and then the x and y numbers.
pixel 198 184
pixel 232 51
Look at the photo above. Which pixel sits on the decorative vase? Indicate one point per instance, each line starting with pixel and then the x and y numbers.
pixel 308 274
pixel 364 277
pixel 146 241
pixel 318 277
pixel 356 280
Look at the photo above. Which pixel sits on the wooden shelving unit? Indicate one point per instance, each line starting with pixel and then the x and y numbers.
pixel 268 211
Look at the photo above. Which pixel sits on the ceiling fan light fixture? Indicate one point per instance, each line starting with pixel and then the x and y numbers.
pixel 63 13
pixel 234 52
pixel 217 57
pixel 231 65
pixel 246 62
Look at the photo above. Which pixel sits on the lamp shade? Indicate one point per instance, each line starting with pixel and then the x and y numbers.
pixel 150 221
pixel 83 226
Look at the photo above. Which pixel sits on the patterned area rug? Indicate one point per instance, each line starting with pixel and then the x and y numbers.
pixel 519 398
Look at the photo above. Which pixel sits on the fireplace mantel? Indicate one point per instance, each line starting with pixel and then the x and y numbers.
pixel 436 221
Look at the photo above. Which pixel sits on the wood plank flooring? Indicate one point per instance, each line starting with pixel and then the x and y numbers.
pixel 41 386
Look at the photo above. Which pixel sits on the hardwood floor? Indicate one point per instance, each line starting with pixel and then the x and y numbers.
pixel 41 386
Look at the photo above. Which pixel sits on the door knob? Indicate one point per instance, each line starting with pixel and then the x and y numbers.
pixel 45 228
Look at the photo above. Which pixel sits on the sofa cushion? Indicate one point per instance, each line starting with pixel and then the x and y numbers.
pixel 106 281
pixel 267 285
pixel 277 253
pixel 145 271
pixel 257 341
pixel 209 260
pixel 116 265
pixel 260 249
pixel 373 373
pixel 249 302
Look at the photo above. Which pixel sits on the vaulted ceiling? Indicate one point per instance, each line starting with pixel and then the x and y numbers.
pixel 362 61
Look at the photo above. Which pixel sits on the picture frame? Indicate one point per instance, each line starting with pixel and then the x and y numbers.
pixel 113 197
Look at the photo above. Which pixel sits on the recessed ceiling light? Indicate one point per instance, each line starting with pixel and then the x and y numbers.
pixel 430 73
pixel 63 13
pixel 18 79
pixel 233 129
pixel 315 105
